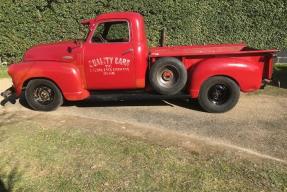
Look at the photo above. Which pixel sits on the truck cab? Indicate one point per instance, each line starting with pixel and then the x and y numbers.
pixel 115 51
pixel 115 57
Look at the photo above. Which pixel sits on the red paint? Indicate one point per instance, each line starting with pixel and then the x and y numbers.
pixel 77 67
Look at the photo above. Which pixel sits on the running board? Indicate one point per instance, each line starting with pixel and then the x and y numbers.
pixel 134 96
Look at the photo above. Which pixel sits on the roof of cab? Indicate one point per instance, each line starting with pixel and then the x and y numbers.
pixel 112 15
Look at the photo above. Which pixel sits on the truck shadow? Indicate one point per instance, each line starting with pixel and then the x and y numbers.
pixel 91 102
pixel 188 104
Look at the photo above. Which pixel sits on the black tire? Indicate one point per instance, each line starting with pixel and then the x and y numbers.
pixel 218 94
pixel 43 95
pixel 168 76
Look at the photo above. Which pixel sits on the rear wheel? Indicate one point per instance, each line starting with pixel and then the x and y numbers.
pixel 168 76
pixel 218 94
pixel 43 95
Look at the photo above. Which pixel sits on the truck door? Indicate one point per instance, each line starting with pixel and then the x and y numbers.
pixel 108 57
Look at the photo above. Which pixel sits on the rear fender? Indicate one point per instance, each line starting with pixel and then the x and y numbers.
pixel 65 75
pixel 246 72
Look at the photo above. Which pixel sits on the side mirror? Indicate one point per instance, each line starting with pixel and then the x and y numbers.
pixel 78 44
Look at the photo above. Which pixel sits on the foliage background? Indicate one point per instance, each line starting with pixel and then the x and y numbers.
pixel 260 23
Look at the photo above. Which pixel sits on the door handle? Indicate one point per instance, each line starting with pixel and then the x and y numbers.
pixel 127 51
pixel 67 57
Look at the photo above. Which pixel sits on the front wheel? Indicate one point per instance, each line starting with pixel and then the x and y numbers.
pixel 218 94
pixel 43 95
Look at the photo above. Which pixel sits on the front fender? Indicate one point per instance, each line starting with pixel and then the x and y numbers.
pixel 246 72
pixel 65 75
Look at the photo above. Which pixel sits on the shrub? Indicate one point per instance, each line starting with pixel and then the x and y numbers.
pixel 260 23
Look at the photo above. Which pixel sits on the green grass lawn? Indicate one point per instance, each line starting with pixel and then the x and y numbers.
pixel 3 72
pixel 63 156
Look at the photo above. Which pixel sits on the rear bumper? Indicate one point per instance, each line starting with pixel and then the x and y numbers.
pixel 264 83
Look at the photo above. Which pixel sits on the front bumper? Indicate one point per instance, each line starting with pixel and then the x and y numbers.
pixel 9 96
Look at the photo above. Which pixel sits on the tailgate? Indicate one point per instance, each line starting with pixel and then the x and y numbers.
pixel 268 66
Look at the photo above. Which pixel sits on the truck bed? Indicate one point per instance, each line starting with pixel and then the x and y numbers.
pixel 205 50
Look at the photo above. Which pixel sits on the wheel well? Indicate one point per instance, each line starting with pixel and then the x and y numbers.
pixel 28 80
pixel 226 77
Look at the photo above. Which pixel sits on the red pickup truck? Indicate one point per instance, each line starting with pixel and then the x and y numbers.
pixel 114 60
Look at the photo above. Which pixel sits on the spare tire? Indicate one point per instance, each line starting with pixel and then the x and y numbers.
pixel 168 76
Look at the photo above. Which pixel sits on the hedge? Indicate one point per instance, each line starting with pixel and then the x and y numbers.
pixel 260 23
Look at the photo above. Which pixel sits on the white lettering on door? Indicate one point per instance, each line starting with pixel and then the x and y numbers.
pixel 109 65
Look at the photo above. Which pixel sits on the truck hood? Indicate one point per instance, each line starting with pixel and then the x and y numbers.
pixel 52 52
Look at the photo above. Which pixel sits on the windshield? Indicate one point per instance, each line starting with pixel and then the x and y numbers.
pixel 83 34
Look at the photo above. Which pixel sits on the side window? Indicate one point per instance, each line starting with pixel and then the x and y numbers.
pixel 112 32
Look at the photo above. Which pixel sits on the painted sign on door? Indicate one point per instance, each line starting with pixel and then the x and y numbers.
pixel 109 65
